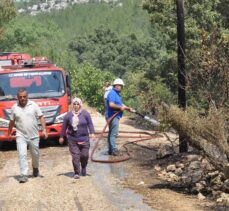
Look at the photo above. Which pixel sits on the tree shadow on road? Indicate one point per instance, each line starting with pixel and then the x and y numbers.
pixel 50 142
pixel 70 174
pixel 67 174
pixel 8 146
pixel 17 177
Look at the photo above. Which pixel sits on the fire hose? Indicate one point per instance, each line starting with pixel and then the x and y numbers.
pixel 142 135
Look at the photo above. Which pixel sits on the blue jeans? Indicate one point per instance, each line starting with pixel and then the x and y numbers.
pixel 112 135
pixel 22 144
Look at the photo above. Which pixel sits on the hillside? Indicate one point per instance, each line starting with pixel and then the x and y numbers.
pixel 34 7
pixel 85 18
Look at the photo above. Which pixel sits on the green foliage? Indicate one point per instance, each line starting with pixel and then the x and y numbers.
pixel 208 80
pixel 198 14
pixel 83 19
pixel 88 82
pixel 203 21
pixel 144 94
pixel 41 35
pixel 108 51
pixel 7 11
pixel 27 35
pixel 118 40
pixel 223 9
pixel 138 61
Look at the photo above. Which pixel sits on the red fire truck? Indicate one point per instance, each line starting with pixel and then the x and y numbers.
pixel 47 85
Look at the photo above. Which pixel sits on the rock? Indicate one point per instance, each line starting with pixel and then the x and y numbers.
pixel 199 187
pixel 196 176
pixel 212 174
pixel 226 186
pixel 203 183
pixel 201 196
pixel 157 168
pixel 163 151
pixel 205 161
pixel 171 167
pixel 195 165
pixel 186 179
pixel 207 165
pixel 216 194
pixel 141 183
pixel 192 158
pixel 173 177
pixel 224 199
pixel 178 171
pixel 217 181
pixel 162 174
pixel 219 200
pixel 180 165
pixel 226 171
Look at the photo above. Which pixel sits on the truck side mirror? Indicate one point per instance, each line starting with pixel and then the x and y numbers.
pixel 68 83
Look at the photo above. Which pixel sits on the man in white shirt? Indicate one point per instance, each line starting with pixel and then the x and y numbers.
pixel 24 117
pixel 107 88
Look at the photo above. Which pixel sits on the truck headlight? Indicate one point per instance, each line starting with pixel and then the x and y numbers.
pixel 4 122
pixel 60 118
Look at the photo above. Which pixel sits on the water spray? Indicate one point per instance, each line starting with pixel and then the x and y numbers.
pixel 153 121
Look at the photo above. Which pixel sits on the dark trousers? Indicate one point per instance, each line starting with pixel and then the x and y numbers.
pixel 80 155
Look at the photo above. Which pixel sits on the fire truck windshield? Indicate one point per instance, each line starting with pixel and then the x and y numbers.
pixel 39 84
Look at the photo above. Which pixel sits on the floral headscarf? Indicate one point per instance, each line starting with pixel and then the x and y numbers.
pixel 75 119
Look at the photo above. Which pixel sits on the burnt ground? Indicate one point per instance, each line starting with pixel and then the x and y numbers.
pixel 129 185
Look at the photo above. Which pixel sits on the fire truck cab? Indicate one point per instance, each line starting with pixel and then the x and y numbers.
pixel 46 84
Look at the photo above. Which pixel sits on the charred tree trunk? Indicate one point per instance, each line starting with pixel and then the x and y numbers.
pixel 181 67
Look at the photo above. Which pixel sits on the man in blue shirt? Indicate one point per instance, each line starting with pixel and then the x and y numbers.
pixel 114 105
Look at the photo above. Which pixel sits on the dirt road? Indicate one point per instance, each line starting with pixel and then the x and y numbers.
pixel 102 189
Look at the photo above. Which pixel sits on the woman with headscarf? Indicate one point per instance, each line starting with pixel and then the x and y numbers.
pixel 78 128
